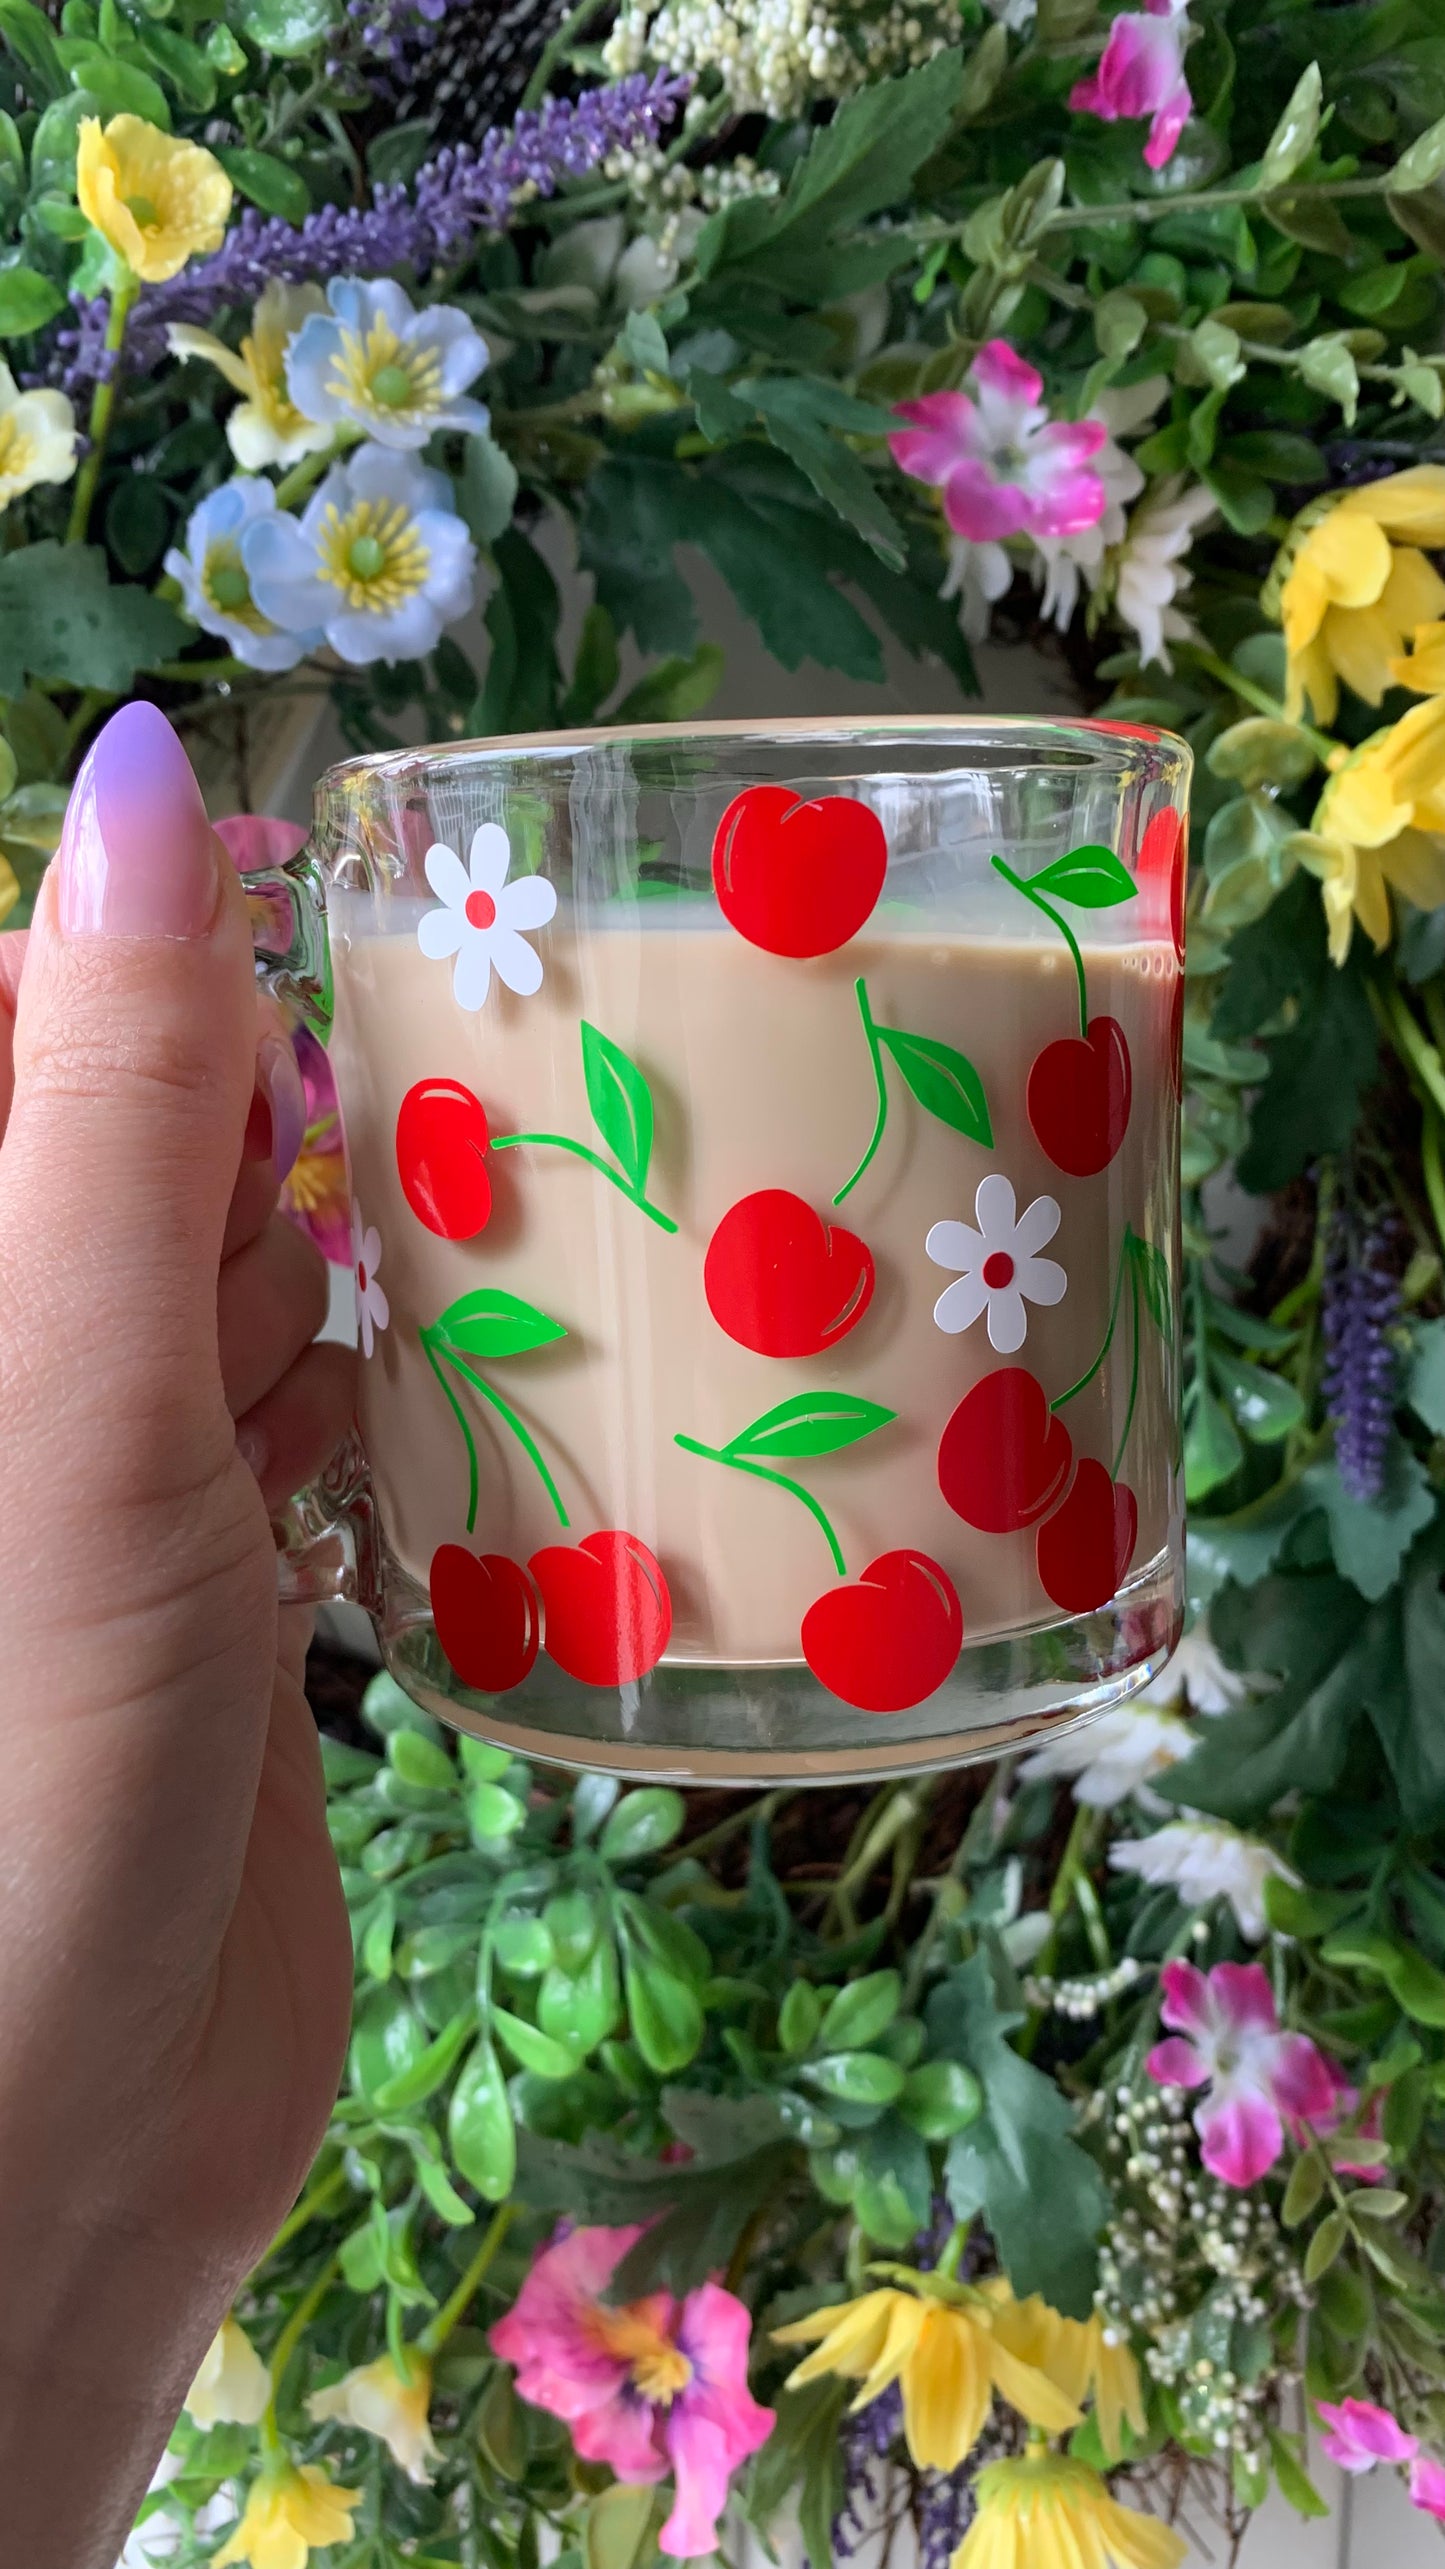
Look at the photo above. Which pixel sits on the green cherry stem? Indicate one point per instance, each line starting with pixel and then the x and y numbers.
pixel 504 1410
pixel 875 1052
pixel 1064 929
pixel 1108 1339
pixel 780 1481
pixel 594 1160
pixel 459 1414
pixel 1133 1369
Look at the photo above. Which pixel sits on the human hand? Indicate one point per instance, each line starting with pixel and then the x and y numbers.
pixel 174 1956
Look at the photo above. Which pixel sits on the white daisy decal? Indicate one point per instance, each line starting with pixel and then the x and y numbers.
pixel 482 917
pixel 373 1311
pixel 998 1270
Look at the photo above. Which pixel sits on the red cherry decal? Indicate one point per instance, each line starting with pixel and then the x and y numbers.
pixel 608 1613
pixel 888 1640
pixel 441 1158
pixel 1003 1457
pixel 797 878
pixel 485 1615
pixel 1160 873
pixel 1088 1544
pixel 1078 1097
pixel 781 1280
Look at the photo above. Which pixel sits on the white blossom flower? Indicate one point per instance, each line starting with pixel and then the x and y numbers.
pixel 978 575
pixel 1149 569
pixel 373 362
pixel 215 585
pixel 375 2398
pixel 997 1268
pixel 1196 1675
pixel 233 2385
pixel 1062 562
pixel 37 438
pixel 379 562
pixel 265 427
pixel 373 1311
pixel 1114 1757
pixel 482 917
pixel 1206 1860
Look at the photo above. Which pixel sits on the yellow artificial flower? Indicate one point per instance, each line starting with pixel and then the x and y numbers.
pixel 156 200
pixel 1350 596
pixel 37 438
pixel 1423 668
pixel 290 2513
pixel 233 2385
pixel 1081 2355
pixel 1380 823
pixel 1046 2512
pixel 375 2398
pixel 946 2357
pixel 266 427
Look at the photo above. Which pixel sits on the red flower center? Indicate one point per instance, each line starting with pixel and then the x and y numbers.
pixel 360 1277
pixel 481 910
pixel 998 1269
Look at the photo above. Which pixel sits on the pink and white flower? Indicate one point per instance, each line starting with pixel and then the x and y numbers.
pixel 1206 1860
pixel 373 1311
pixel 997 1267
pixel 1003 465
pixel 1427 2486
pixel 647 2386
pixel 1141 73
pixel 1226 2037
pixel 1115 1757
pixel 1358 2435
pixel 482 917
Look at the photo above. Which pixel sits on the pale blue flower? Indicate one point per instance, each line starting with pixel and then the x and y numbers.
pixel 372 362
pixel 215 585
pixel 380 561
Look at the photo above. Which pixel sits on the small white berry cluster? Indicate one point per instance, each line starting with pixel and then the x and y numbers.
pixel 775 57
pixel 1085 1998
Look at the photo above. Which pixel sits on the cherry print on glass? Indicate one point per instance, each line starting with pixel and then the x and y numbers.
pixel 997 1267
pixel 942 1079
pixel 607 1614
pixel 1080 1087
pixel 622 1110
pixel 482 919
pixel 485 1611
pixel 441 1158
pixel 781 1280
pixel 798 879
pixel 480 1328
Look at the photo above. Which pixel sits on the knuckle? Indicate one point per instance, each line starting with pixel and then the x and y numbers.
pixel 108 1063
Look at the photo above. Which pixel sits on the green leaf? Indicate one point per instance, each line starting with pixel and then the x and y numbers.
pixel 798 2019
pixel 480 2132
pixel 270 183
pixel 1041 2195
pixel 944 1082
pixel 1316 1635
pixel 487 492
pixel 1279 454
pixel 429 2071
pixel 941 2098
pixel 27 301
pixel 61 618
pixel 1293 138
pixel 489 1324
pixel 522 1947
pixel 641 1824
pixel 819 1422
pixel 595 666
pixel 592 1799
pixel 388 2039
pixel 664 2014
pixel 574 1922
pixel 1265 1406
pixel 121 88
pixel 861 2011
pixel 1292 2479
pixel 137 522
pixel 1212 1450
pixel 801 415
pixel 1424 1388
pixel 581 2008
pixel 29 34
pixel 1325 2245
pixel 1320 1067
pixel 1404 1704
pixel 421 1761
pixel 617 2524
pixel 621 1104
pixel 1423 163
pixel 285 27
pixel 1305 2187
pixel 675 690
pixel 523 684
pixel 540 2053
pixel 855 2078
pixel 1369 1538
pixel 191 73
pixel 642 337
pixel 1089 878
pixel 492 1813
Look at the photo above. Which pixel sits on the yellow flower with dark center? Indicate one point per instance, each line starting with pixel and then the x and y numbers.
pixel 1046 2512
pixel 1348 595
pixel 156 200
pixel 1081 2355
pixel 265 427
pixel 290 2513
pixel 946 2354
pixel 1380 825
pixel 373 555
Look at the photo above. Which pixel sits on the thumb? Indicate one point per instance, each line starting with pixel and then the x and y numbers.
pixel 135 1039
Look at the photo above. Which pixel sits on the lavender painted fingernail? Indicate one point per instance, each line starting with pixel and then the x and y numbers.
pixel 279 1081
pixel 137 856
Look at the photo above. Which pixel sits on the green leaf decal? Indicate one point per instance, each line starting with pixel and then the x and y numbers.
pixel 944 1082
pixel 621 1104
pixel 489 1324
pixel 810 1423
pixel 1090 878
pixel 1152 1268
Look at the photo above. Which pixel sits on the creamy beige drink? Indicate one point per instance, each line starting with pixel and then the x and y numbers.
pixel 763 1080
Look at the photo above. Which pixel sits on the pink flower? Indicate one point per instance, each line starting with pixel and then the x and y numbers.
pixel 1359 2435
pixel 1259 2079
pixel 1004 467
pixel 1370 2128
pixel 1141 73
pixel 645 2386
pixel 253 840
pixel 1427 2486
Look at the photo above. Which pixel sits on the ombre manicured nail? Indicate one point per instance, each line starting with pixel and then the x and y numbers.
pixel 277 1125
pixel 137 857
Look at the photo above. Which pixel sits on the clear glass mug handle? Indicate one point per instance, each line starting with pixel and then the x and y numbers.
pixel 327 1549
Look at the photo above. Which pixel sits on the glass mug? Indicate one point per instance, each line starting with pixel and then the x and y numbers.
pixel 764 1151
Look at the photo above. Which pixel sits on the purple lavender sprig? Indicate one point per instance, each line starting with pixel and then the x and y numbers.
pixel 868 2437
pixel 1361 1303
pixel 467 189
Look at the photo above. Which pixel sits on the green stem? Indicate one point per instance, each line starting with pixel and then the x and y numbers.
pixel 522 1433
pixel 575 24
pixel 1064 929
pixel 1433 1172
pixel 751 1815
pixel 780 1481
pixel 288 2341
pixel 459 1414
pixel 1133 1369
pixel 102 410
pixel 875 1054
pixel 594 1160
pixel 94 701
pixel 1414 1048
pixel 1249 694
pixel 311 468
pixel 315 2201
pixel 202 672
pixel 436 2332
pixel 1086 1378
